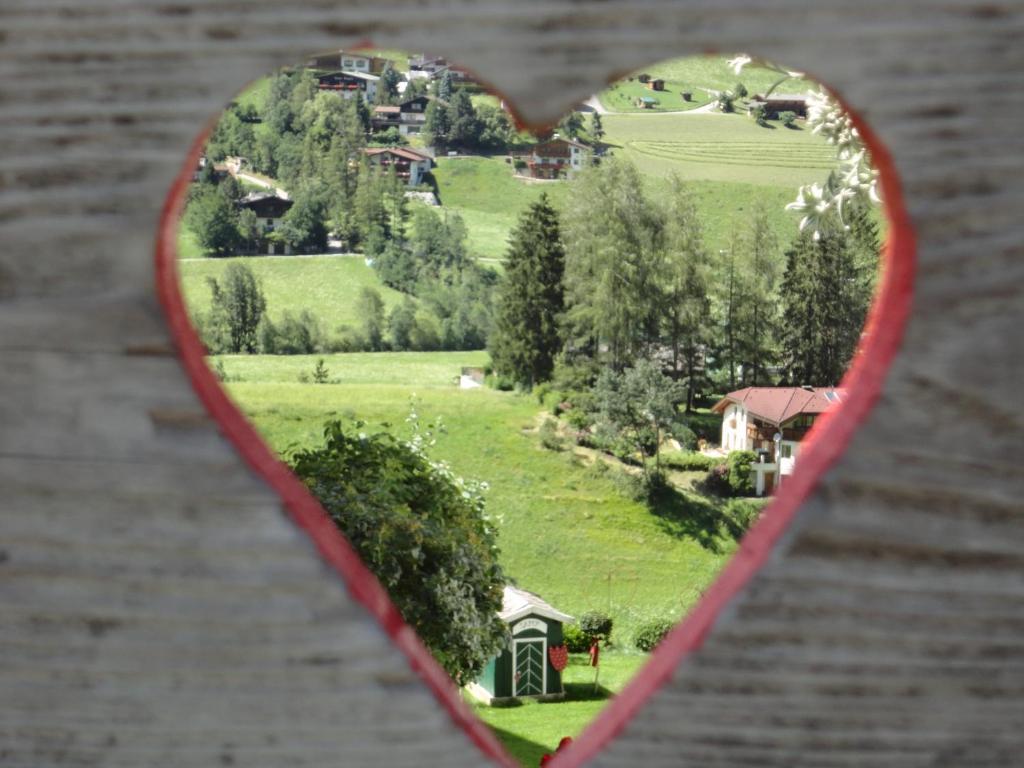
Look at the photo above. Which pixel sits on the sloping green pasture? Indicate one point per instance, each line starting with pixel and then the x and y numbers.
pixel 566 531
pixel 326 285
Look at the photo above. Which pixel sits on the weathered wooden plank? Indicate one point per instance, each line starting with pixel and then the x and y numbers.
pixel 884 632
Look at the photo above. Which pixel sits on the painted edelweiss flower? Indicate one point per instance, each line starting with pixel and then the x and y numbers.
pixel 737 64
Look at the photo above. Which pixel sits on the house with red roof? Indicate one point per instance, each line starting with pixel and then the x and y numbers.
pixel 772 421
pixel 411 165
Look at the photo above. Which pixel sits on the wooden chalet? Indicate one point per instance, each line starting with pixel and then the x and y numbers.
pixel 410 165
pixel 408 117
pixel 778 103
pixel 348 84
pixel 557 158
pixel 772 422
pixel 347 60
pixel 656 84
pixel 269 208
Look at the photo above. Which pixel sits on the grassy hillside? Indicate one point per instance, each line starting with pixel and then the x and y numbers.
pixel 697 74
pixel 325 285
pixel 716 147
pixel 484 192
pixel 566 531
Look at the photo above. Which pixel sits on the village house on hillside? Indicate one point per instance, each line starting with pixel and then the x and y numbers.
pixel 772 421
pixel 269 208
pixel 349 83
pixel 408 117
pixel 557 158
pixel 411 165
pixel 348 61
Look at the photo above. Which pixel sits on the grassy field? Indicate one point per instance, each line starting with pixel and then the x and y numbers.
pixel 489 198
pixel 325 285
pixel 255 93
pixel 697 74
pixel 716 147
pixel 533 729
pixel 566 530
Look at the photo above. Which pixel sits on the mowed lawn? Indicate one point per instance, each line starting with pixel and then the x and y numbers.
pixel 723 148
pixel 533 729
pixel 566 531
pixel 326 285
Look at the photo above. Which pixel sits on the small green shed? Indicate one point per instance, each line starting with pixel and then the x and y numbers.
pixel 524 667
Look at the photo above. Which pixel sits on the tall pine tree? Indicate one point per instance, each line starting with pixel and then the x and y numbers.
pixel 526 337
pixel 824 307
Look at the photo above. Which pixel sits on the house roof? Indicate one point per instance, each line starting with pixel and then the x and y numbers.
pixel 404 152
pixel 782 97
pixel 778 405
pixel 361 75
pixel 517 603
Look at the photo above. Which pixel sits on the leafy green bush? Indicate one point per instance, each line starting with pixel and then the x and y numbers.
pixel 549 437
pixel 650 633
pixel 716 481
pixel 596 625
pixel 741 482
pixel 422 531
pixel 320 374
pixel 759 115
pixel 691 462
pixel 787 118
pixel 574 639
pixel 739 515
pixel 740 90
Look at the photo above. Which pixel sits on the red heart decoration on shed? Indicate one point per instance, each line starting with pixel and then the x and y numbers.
pixel 820 450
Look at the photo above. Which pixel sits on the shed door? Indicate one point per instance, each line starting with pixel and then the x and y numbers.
pixel 529 674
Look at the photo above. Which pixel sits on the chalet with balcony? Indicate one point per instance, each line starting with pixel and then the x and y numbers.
pixel 410 165
pixel 270 209
pixel 557 158
pixel 408 117
pixel 348 84
pixel 348 61
pixel 772 422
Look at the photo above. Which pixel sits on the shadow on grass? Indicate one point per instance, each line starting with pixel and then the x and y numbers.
pixel 526 752
pixel 585 692
pixel 688 516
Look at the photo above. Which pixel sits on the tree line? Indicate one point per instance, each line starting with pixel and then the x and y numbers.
pixel 622 277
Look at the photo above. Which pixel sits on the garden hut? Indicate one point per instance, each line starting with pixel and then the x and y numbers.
pixel 524 667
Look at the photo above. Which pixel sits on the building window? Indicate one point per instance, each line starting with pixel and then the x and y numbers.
pixel 787 451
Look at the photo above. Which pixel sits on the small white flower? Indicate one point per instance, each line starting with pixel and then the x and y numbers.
pixel 737 64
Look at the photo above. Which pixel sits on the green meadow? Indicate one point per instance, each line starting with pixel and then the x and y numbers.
pixel 325 285
pixel 566 530
pixel 699 75
pixel 534 728
pixel 489 198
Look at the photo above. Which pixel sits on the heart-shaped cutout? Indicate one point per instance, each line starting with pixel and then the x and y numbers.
pixel 818 452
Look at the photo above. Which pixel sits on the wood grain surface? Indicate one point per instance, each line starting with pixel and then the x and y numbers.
pixel 158 609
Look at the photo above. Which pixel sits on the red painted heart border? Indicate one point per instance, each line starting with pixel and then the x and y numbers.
pixel 826 442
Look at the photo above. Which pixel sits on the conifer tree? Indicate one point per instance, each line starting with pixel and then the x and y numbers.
pixel 824 309
pixel 526 336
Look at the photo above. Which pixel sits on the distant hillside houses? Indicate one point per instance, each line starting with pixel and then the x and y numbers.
pixel 270 209
pixel 408 117
pixel 410 165
pixel 349 83
pixel 556 158
pixel 348 61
